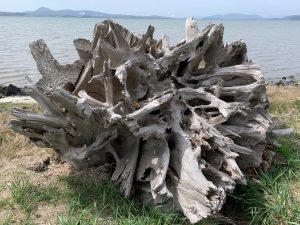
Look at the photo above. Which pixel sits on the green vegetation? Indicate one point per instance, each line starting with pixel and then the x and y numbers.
pixel 7 220
pixel 289 113
pixel 91 203
pixel 13 145
pixel 87 202
pixel 274 196
pixel 272 199
pixel 27 195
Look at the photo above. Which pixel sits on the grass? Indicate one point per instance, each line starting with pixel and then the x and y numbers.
pixel 12 144
pixel 27 195
pixel 7 220
pixel 272 198
pixel 289 113
pixel 94 203
pixel 285 105
pixel 88 203
pixel 5 107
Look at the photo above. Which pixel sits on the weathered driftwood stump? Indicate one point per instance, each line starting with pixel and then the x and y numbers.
pixel 179 123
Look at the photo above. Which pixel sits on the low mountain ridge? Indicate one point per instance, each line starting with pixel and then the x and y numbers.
pixel 234 16
pixel 46 12
pixel 293 17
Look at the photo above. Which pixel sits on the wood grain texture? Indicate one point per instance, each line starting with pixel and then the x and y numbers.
pixel 178 123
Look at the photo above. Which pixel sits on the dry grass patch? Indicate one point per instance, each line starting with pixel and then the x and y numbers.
pixel 285 105
pixel 12 144
pixel 12 216
pixel 48 214
pixel 285 94
pixel 295 190
pixel 21 190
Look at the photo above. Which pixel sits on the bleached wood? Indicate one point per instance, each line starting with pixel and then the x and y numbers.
pixel 284 132
pixel 179 123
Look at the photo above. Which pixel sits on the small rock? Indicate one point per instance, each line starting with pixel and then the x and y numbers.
pixel 56 159
pixel 280 83
pixel 292 77
pixel 12 90
pixel 40 166
pixel 279 160
pixel 291 82
pixel 277 144
pixel 283 132
pixel 2 90
pixel 283 78
pixel 265 165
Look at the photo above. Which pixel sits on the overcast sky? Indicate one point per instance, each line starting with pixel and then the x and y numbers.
pixel 178 8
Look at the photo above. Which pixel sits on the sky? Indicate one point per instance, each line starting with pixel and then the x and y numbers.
pixel 178 8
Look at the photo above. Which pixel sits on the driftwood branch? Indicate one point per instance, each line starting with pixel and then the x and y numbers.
pixel 180 123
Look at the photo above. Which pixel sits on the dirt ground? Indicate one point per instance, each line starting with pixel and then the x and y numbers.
pixel 16 155
pixel 17 167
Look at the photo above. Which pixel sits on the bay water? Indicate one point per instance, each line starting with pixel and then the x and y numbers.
pixel 273 44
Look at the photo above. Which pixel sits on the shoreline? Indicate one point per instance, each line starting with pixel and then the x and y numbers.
pixel 284 81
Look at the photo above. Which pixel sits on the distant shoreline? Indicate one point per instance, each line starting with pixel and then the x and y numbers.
pixel 152 18
pixel 67 13
pixel 155 18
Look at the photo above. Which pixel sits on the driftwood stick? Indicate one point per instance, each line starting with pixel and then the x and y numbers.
pixel 283 132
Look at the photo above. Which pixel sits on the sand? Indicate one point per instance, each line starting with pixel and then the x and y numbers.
pixel 18 99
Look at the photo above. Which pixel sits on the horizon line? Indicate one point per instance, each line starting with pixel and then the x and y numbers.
pixel 166 16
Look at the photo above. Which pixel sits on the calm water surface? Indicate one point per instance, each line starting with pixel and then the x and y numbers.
pixel 274 45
